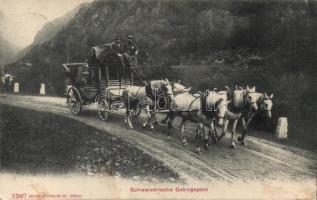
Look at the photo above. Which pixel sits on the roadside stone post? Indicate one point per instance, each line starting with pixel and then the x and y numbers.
pixel 42 89
pixel 281 128
pixel 16 88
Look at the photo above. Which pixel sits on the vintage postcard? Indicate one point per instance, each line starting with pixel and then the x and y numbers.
pixel 158 99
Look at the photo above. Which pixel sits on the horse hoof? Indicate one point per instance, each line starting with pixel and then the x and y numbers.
pixel 206 147
pixel 152 128
pixel 233 146
pixel 168 137
pixel 185 143
pixel 240 139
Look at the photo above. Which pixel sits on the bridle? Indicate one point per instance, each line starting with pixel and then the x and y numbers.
pixel 245 95
pixel 262 101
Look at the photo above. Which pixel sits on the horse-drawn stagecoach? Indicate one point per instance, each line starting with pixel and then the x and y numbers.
pixel 100 80
pixel 106 79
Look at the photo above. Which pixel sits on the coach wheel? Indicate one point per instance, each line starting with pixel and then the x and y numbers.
pixel 103 109
pixel 74 101
pixel 162 102
pixel 103 114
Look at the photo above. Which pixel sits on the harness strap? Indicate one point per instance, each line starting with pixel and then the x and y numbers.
pixel 193 102
pixel 137 92
pixel 149 91
pixel 205 111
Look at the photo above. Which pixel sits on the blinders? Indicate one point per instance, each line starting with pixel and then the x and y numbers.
pixel 263 105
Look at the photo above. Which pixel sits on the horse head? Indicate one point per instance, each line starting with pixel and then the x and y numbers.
pixel 218 101
pixel 251 98
pixel 221 108
pixel 167 89
pixel 266 105
pixel 179 88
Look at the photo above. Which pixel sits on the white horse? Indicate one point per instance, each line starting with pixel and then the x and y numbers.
pixel 202 109
pixel 148 96
pixel 177 89
pixel 246 104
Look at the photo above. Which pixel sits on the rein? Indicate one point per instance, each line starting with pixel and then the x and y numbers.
pixel 190 105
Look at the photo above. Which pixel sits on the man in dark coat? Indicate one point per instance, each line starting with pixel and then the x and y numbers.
pixel 130 52
pixel 130 48
pixel 117 46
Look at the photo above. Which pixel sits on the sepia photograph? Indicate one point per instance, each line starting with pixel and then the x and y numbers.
pixel 158 99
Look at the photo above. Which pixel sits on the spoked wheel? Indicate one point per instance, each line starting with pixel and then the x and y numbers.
pixel 103 114
pixel 103 108
pixel 162 102
pixel 74 101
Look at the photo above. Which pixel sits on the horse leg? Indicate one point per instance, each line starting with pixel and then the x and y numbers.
pixel 148 114
pixel 152 120
pixel 183 132
pixel 214 128
pixel 241 139
pixel 225 128
pixel 170 123
pixel 166 118
pixel 250 118
pixel 206 137
pixel 233 132
pixel 211 133
pixel 128 119
pixel 199 131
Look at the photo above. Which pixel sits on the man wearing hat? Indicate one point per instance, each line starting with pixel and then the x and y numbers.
pixel 130 48
pixel 131 51
pixel 117 45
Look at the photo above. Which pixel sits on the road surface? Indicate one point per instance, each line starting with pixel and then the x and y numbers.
pixel 262 160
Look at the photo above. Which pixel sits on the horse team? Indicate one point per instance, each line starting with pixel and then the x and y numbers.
pixel 205 109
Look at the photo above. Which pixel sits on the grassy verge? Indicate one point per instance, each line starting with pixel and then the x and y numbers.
pixel 36 143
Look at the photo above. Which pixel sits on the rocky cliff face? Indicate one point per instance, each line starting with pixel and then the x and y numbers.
pixel 162 30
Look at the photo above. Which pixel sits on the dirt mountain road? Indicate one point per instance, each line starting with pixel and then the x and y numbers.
pixel 262 160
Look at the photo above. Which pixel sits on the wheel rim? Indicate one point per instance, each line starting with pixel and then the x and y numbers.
pixel 103 115
pixel 73 101
pixel 103 109
pixel 162 102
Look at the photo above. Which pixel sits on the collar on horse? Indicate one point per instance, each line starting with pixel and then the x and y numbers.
pixel 209 112
pixel 151 92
